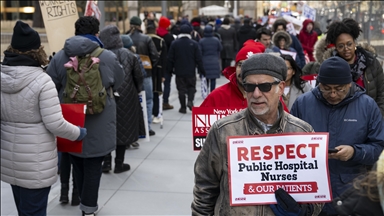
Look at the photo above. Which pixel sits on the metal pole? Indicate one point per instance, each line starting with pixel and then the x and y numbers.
pixel 370 23
pixel 164 8
pixel 234 8
pixel 101 5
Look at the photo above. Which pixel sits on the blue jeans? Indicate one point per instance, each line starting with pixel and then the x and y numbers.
pixel 87 177
pixel 211 83
pixel 31 202
pixel 167 87
pixel 148 88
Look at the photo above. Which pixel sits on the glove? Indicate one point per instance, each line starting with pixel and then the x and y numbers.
pixel 287 206
pixel 83 133
pixel 51 56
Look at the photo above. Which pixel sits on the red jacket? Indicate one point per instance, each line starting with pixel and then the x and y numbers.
pixel 308 40
pixel 229 96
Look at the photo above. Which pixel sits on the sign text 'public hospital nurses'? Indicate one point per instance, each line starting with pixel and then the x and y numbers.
pixel 296 162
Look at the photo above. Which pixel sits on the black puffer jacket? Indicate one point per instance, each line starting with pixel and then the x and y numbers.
pixel 128 105
pixel 373 74
pixel 245 33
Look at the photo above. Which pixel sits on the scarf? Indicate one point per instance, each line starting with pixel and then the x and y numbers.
pixel 15 59
pixel 94 38
pixel 358 67
pixel 161 31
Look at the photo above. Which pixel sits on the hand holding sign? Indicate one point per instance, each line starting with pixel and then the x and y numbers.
pixel 287 206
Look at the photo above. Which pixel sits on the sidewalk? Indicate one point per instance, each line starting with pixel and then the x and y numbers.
pixel 161 178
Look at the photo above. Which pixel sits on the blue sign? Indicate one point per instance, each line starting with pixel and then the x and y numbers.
pixel 309 12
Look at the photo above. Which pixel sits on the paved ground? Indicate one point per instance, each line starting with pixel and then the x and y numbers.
pixel 160 181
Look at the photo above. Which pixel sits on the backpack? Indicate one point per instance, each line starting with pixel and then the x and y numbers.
pixel 84 84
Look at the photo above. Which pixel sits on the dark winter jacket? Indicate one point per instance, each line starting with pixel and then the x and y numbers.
pixel 211 190
pixel 355 121
pixel 101 128
pixel 184 56
pixel 229 42
pixel 308 40
pixel 299 49
pixel 160 67
pixel 144 46
pixel 373 74
pixel 245 33
pixel 210 49
pixel 128 104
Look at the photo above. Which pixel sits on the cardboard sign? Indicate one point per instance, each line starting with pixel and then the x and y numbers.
pixel 285 52
pixel 296 162
pixel 59 20
pixel 202 120
pixel 309 12
pixel 75 114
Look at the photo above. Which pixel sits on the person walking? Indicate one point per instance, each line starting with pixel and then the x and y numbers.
pixel 31 118
pixel 263 78
pixel 210 49
pixel 101 138
pixel 145 47
pixel 127 103
pixel 353 120
pixel 308 38
pixel 245 32
pixel 229 42
pixel 183 58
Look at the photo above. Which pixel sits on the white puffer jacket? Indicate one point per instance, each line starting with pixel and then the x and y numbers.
pixel 30 118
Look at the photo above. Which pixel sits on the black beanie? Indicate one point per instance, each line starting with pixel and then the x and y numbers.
pixel 135 20
pixel 24 38
pixel 185 29
pixel 335 70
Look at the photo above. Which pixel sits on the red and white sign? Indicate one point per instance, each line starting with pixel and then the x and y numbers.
pixel 296 162
pixel 91 9
pixel 202 120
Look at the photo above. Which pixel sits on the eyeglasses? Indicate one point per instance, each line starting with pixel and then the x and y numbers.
pixel 264 87
pixel 343 46
pixel 330 91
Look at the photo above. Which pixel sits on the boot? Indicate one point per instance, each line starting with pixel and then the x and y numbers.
pixel 64 193
pixel 75 197
pixel 183 107
pixel 107 164
pixel 120 166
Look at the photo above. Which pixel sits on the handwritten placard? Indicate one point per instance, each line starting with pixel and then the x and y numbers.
pixel 59 20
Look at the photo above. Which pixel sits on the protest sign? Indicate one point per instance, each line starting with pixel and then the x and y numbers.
pixel 259 165
pixel 285 52
pixel 202 120
pixel 59 21
pixel 143 103
pixel 309 12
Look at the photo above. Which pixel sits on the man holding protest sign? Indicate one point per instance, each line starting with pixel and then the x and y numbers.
pixel 263 78
pixel 353 119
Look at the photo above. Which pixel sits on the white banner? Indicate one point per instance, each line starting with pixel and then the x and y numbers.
pixel 296 162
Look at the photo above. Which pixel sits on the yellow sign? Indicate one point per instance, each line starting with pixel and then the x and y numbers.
pixel 59 20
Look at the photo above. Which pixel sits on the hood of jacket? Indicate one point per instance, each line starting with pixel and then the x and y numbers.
pixel 16 78
pixel 288 39
pixel 110 36
pixel 305 23
pixel 224 26
pixel 245 29
pixel 79 46
pixel 367 49
pixel 208 31
pixel 355 92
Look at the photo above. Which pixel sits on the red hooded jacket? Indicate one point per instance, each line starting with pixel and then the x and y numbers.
pixel 308 40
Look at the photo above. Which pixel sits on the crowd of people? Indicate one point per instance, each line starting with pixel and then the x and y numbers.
pixel 264 66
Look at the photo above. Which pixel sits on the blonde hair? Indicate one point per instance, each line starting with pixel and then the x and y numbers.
pixel 37 54
pixel 367 185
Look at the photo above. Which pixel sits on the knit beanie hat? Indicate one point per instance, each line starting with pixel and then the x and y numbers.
pixel 24 38
pixel 335 70
pixel 135 21
pixel 264 63
pixel 246 52
pixel 185 29
pixel 127 41
pixel 164 22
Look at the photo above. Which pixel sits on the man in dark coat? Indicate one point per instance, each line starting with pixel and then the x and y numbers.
pixel 162 31
pixel 246 32
pixel 229 42
pixel 158 71
pixel 145 46
pixel 128 105
pixel 183 57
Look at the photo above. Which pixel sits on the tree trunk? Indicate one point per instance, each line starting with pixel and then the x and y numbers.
pixel 37 16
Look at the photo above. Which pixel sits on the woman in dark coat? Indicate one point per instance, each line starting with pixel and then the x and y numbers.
pixel 210 48
pixel 229 42
pixel 128 105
